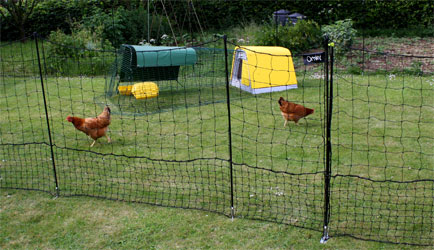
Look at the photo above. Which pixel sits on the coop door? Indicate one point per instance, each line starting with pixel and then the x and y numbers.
pixel 240 58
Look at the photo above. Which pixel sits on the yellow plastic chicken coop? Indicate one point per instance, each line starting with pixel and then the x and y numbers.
pixel 263 69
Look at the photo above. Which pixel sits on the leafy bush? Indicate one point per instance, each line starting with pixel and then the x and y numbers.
pixel 414 69
pixel 110 28
pixel 370 15
pixel 303 36
pixel 342 34
pixel 53 15
pixel 83 52
pixel 126 26
pixel 8 30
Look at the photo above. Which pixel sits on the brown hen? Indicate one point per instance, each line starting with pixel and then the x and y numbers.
pixel 292 111
pixel 94 127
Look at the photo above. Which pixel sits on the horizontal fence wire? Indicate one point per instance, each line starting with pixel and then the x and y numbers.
pixel 172 147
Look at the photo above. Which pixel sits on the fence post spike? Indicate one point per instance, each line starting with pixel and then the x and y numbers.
pixel 325 236
pixel 228 101
pixel 35 35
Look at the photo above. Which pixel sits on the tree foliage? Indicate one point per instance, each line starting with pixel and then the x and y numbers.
pixel 341 33
pixel 303 36
pixel 19 11
pixel 188 16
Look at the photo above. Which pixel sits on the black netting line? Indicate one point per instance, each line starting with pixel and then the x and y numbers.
pixel 381 181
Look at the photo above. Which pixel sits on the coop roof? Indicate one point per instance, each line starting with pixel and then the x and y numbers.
pixel 266 50
pixel 153 56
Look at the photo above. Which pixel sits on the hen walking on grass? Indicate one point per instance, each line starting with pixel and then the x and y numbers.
pixel 94 127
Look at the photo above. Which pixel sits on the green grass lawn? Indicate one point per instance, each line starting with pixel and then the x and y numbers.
pixel 34 220
pixel 173 151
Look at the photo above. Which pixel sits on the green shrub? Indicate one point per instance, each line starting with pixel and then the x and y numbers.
pixel 110 28
pixel 126 26
pixel 415 69
pixel 83 52
pixel 266 35
pixel 342 34
pixel 8 30
pixel 53 15
pixel 303 36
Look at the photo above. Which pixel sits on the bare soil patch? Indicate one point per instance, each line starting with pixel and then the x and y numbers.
pixel 395 54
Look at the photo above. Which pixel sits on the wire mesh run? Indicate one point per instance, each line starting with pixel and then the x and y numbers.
pixel 382 135
pixel 205 142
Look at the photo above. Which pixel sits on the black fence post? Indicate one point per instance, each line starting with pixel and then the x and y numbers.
pixel 46 114
pixel 228 101
pixel 329 53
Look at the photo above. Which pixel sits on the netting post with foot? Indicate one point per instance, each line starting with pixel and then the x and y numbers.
pixel 228 101
pixel 328 154
pixel 46 113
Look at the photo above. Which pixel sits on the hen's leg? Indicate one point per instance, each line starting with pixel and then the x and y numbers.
pixel 91 145
pixel 284 125
pixel 108 138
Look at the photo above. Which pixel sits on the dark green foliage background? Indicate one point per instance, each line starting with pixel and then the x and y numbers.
pixel 392 18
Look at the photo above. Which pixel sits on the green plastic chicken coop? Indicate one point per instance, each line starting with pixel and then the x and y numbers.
pixel 148 63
